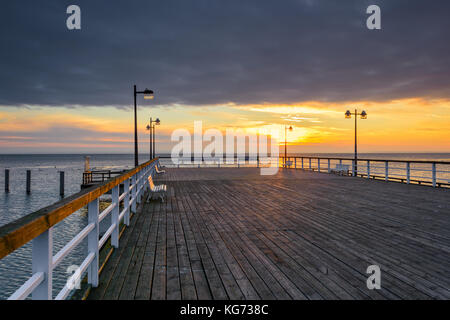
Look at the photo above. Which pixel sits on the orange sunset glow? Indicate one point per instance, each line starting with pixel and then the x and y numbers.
pixel 405 125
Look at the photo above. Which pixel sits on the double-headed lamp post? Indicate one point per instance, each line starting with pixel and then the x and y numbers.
pixel 363 115
pixel 148 94
pixel 151 128
pixel 285 142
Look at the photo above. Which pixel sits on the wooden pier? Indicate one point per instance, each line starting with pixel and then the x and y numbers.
pixel 231 233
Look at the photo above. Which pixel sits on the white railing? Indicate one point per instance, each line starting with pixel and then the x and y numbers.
pixel 39 285
pixel 236 162
pixel 434 173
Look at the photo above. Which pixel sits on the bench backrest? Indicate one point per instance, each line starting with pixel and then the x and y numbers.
pixel 150 182
pixel 342 166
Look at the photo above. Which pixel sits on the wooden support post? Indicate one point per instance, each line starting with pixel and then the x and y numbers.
pixel 115 217
pixel 6 180
pixel 329 165
pixel 295 163
pixel 310 164
pixel 42 261
pixel 61 183
pixel 303 166
pixel 318 165
pixel 28 181
pixel 368 169
pixel 93 242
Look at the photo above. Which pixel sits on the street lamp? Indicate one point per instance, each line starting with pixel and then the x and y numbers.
pixel 348 115
pixel 148 94
pixel 151 128
pixel 285 143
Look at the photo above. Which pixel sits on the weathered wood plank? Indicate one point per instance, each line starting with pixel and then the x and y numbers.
pixel 233 234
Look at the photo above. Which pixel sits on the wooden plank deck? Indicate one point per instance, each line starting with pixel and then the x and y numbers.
pixel 230 233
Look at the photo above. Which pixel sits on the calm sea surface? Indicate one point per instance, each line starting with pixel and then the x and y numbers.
pixel 16 268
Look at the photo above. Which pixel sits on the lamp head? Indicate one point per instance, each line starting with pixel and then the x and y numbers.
pixel 348 114
pixel 363 115
pixel 148 94
pixel 148 127
pixel 290 128
pixel 157 121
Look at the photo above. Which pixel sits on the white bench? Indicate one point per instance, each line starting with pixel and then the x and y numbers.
pixel 341 169
pixel 158 170
pixel 159 190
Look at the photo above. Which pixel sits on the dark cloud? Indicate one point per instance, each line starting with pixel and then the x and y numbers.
pixel 219 51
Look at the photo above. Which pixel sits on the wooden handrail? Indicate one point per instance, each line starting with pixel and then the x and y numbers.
pixel 19 232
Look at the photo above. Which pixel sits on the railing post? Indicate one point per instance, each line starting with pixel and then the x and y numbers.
pixel 318 165
pixel 126 202
pixel 433 170
pixel 408 172
pixel 138 187
pixel 42 256
pixel 28 181
pixel 386 170
pixel 302 164
pixel 133 193
pixel 353 168
pixel 61 183
pixel 238 162
pixel 329 165
pixel 295 163
pixel 147 172
pixel 93 238
pixel 368 169
pixel 309 164
pixel 115 217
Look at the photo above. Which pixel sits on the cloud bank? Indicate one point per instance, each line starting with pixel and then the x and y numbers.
pixel 207 52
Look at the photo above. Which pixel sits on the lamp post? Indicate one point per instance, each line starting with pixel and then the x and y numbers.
pixel 348 115
pixel 151 128
pixel 285 143
pixel 148 94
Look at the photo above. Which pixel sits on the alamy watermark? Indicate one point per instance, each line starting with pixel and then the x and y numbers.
pixel 260 147
pixel 74 281
pixel 374 280
pixel 73 21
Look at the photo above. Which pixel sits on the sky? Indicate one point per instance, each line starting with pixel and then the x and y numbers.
pixel 231 64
